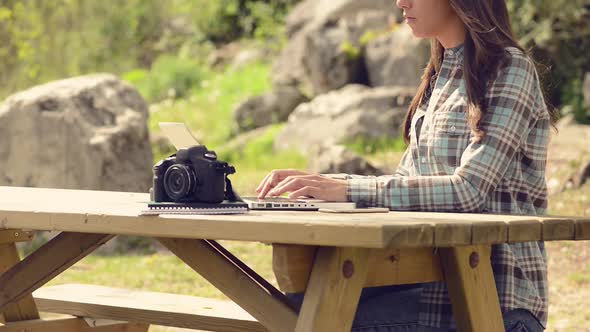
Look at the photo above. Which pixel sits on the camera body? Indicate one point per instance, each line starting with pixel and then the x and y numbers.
pixel 192 175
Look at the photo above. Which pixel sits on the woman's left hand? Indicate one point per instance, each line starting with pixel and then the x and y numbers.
pixel 316 186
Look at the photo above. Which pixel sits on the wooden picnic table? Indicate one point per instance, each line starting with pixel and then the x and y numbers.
pixel 329 256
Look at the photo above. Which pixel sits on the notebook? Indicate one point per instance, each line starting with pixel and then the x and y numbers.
pixel 225 207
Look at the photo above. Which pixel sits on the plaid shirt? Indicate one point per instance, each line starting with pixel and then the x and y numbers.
pixel 442 170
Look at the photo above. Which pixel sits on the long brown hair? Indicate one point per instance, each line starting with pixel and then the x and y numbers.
pixel 488 34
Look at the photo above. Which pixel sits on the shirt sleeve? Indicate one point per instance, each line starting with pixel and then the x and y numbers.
pixel 402 170
pixel 511 102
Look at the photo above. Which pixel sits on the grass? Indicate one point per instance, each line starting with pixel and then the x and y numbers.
pixel 208 111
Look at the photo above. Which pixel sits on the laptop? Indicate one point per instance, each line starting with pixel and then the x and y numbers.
pixel 301 204
pixel 181 137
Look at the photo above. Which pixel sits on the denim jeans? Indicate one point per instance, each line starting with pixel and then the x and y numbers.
pixel 395 309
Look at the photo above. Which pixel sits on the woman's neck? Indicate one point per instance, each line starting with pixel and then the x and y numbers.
pixel 453 35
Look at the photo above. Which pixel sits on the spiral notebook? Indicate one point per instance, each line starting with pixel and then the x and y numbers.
pixel 225 207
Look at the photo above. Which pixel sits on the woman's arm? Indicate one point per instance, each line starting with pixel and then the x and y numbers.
pixel 511 102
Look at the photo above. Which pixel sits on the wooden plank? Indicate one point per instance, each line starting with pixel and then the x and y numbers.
pixel 70 324
pixel 269 310
pixel 45 263
pixel 25 308
pixel 15 235
pixel 489 232
pixel 582 229
pixel 472 289
pixel 524 231
pixel 118 213
pixel 292 266
pixel 335 285
pixel 558 229
pixel 414 234
pixel 452 233
pixel 146 307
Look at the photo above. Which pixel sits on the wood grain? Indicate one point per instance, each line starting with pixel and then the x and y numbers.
pixel 273 313
pixel 472 289
pixel 25 308
pixel 119 213
pixel 15 235
pixel 46 263
pixel 146 307
pixel 292 266
pixel 331 298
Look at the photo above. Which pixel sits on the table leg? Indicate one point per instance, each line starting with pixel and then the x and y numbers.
pixel 267 306
pixel 25 308
pixel 334 288
pixel 46 263
pixel 472 289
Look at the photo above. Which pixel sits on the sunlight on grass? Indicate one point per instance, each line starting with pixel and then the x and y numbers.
pixel 162 272
pixel 208 111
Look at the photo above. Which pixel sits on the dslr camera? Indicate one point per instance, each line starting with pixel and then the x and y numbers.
pixel 192 175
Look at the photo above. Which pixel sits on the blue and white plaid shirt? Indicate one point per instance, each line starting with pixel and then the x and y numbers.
pixel 442 170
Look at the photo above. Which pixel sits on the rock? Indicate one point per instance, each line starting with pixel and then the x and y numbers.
pixel 397 58
pixel 272 107
pixel 300 15
pixel 346 114
pixel 338 159
pixel 314 57
pixel 333 52
pixel 587 90
pixel 322 11
pixel 87 132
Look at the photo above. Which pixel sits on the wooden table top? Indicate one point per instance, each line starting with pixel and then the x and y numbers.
pixel 119 213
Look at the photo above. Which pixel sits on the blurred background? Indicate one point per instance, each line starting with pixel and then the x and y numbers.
pixel 321 85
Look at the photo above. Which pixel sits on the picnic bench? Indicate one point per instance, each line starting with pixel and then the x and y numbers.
pixel 330 257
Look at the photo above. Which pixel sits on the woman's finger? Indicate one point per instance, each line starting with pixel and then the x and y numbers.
pixel 309 191
pixel 293 183
pixel 263 182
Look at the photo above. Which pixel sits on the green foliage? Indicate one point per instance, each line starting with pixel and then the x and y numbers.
pixel 226 20
pixel 363 145
pixel 352 52
pixel 169 77
pixel 559 32
pixel 47 40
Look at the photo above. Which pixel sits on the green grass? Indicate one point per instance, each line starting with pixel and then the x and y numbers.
pixel 161 272
pixel 208 111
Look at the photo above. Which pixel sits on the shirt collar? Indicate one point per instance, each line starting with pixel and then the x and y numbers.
pixel 454 53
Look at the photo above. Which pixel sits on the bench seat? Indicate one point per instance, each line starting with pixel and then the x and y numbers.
pixel 145 307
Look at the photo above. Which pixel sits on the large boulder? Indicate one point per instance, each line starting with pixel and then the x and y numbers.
pixel 330 159
pixel 318 30
pixel 333 53
pixel 272 107
pixel 86 132
pixel 396 58
pixel 322 11
pixel 344 115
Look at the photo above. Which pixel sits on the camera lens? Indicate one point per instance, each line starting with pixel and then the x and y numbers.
pixel 179 181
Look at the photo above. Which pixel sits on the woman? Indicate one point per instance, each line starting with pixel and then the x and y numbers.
pixel 477 134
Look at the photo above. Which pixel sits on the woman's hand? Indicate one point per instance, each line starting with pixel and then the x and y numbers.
pixel 299 183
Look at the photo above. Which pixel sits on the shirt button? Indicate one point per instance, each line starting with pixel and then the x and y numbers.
pixel 423 160
pixel 451 53
pixel 453 128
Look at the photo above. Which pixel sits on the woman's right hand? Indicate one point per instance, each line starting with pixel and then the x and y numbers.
pixel 275 177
